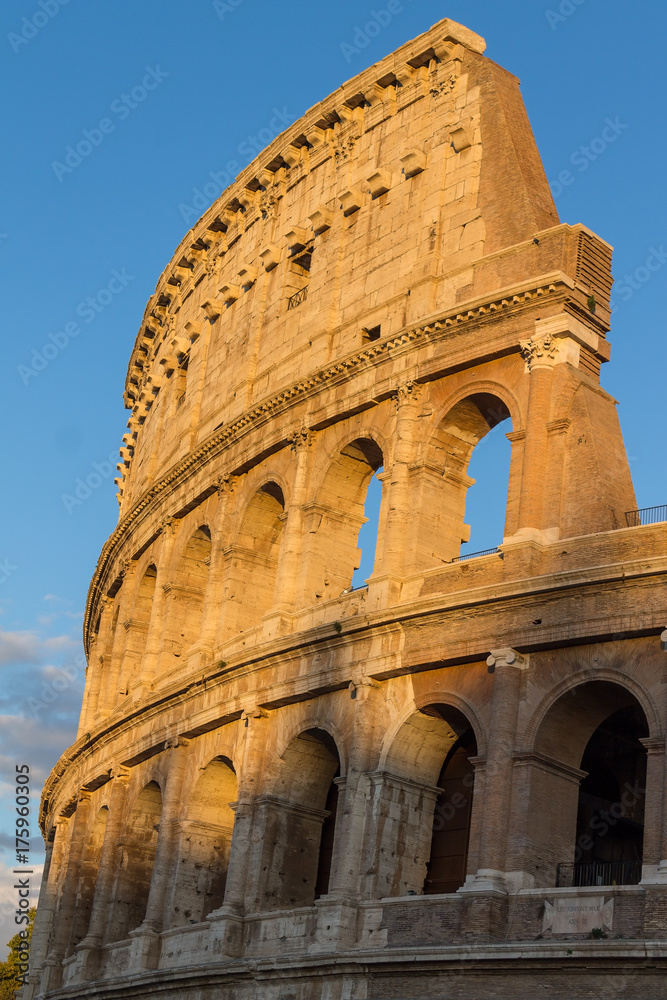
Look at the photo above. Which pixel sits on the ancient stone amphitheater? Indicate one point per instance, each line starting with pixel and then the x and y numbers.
pixel 447 782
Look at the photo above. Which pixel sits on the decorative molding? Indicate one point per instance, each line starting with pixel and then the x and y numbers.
pixel 539 352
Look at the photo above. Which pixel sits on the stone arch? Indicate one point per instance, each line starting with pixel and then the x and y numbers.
pixel 206 834
pixel 134 866
pixel 575 680
pixel 297 819
pixel 436 696
pixel 311 722
pixel 335 516
pixel 460 425
pixel 254 557
pixel 556 772
pixel 186 592
pixel 429 752
pixel 85 891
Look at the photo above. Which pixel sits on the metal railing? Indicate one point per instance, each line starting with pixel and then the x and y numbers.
pixel 647 515
pixel 298 297
pixel 598 873
pixel 473 555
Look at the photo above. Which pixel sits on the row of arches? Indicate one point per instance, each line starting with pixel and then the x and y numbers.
pixel 423 817
pixel 286 543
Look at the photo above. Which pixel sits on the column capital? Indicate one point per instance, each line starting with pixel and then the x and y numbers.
pixel 539 351
pixel 506 657
pixel 168 526
pixel 302 438
pixel 119 773
pixel 175 742
pixel 409 392
pixel 226 484
pixel 253 713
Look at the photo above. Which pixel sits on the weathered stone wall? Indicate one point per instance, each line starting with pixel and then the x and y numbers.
pixel 251 804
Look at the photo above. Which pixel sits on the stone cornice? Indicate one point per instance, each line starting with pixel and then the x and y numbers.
pixel 444 42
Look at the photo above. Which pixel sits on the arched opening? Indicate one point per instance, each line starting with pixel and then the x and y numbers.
pixel 447 863
pixel 85 892
pixel 299 818
pixel 368 533
pixel 447 479
pixel 136 859
pixel 336 519
pixel 426 792
pixel 587 779
pixel 485 510
pixel 255 558
pixel 205 844
pixel 185 597
pixel 137 629
pixel 610 813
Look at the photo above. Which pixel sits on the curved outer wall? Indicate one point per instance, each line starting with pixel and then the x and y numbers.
pixel 251 804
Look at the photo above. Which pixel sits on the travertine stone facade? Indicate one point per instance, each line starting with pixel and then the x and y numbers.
pixel 287 787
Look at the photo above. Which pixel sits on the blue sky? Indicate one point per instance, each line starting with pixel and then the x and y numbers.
pixel 183 90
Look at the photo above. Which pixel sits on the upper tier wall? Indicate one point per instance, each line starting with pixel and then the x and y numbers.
pixel 361 219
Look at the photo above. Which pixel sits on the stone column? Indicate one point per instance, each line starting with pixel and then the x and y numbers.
pixel 398 557
pixel 654 868
pixel 145 939
pixel 289 568
pixel 46 908
pixel 507 666
pixel 156 624
pixel 227 922
pixel 354 790
pixel 540 356
pixel 89 949
pixel 65 912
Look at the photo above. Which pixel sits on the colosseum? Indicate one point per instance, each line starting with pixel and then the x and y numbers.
pixel 446 781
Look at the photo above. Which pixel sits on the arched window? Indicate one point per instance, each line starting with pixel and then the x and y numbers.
pixel 255 558
pixel 185 599
pixel 336 518
pixel 447 864
pixel 448 477
pixel 610 814
pixel 299 817
pixel 585 817
pixel 135 861
pixel 485 510
pixel 206 835
pixel 368 533
pixel 422 841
